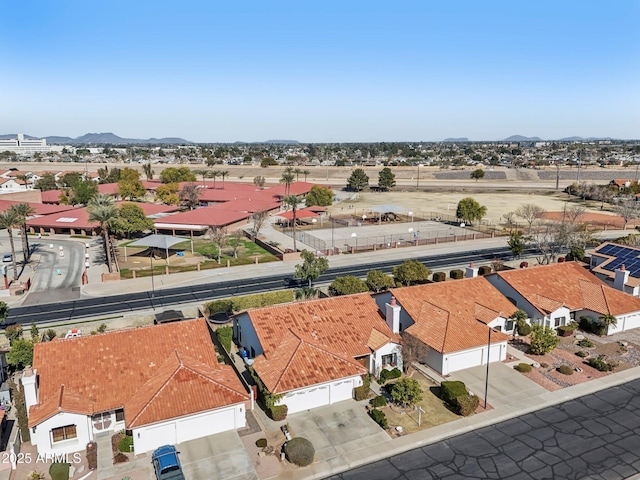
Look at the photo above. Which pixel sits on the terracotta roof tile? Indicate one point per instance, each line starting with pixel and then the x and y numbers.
pixel 300 361
pixel 64 401
pixel 569 284
pixel 449 316
pixel 109 369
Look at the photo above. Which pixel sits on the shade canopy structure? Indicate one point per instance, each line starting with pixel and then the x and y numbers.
pixel 304 213
pixel 158 241
pixel 388 208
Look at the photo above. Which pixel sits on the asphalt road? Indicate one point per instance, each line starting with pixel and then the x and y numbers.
pixel 596 437
pixel 118 304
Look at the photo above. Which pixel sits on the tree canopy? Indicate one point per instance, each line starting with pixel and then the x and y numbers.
pixel 406 392
pixel 358 180
pixel 378 281
pixel 131 219
pixel 46 182
pixel 168 194
pixel 21 353
pixel 312 267
pixel 516 243
pixel 477 174
pixel 347 285
pixel 176 175
pixel 410 271
pixel 320 196
pixel 386 179
pixel 129 185
pixel 470 210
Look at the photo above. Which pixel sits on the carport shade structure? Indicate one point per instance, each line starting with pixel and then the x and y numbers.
pixel 158 241
pixel 387 208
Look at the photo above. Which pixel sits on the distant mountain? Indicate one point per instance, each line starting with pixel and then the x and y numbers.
pixel 582 139
pixel 520 138
pixel 571 139
pixel 456 140
pixel 283 142
pixel 110 138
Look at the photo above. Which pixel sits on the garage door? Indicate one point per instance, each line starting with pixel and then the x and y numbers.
pixel 462 360
pixel 341 391
pixel 159 435
pixel 199 426
pixel 307 399
pixel 632 321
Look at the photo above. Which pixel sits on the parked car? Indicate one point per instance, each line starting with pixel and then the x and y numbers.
pixel 291 282
pixel 7 257
pixel 166 463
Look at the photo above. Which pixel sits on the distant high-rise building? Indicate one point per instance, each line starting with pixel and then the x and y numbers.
pixel 23 146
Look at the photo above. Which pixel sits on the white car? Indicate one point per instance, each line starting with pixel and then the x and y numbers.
pixel 7 257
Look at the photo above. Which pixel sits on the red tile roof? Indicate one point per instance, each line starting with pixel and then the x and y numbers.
pixel 548 286
pixel 152 208
pixel 72 218
pixel 247 205
pixel 296 188
pixel 205 216
pixel 51 196
pixel 452 316
pixel 303 213
pixel 108 188
pixel 39 208
pixel 301 361
pixel 140 369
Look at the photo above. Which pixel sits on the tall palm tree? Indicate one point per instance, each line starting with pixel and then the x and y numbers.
pixel 22 211
pixel 103 211
pixel 215 174
pixel 223 173
pixel 293 201
pixel 297 172
pixel 305 173
pixel 8 220
pixel 287 178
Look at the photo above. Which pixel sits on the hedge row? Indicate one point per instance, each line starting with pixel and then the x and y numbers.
pixel 389 374
pixel 455 394
pixel 258 300
pixel 277 412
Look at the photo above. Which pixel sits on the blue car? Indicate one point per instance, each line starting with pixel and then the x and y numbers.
pixel 167 464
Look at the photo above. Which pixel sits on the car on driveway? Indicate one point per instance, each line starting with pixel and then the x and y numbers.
pixel 166 463
pixel 7 257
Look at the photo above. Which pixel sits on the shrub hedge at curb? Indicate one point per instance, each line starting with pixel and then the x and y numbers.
pixel 450 390
pixel 378 401
pixel 389 374
pixel 237 304
pixel 456 274
pixel 439 276
pixel 484 270
pixel 379 417
pixel 299 451
pixel 523 367
pixel 467 404
pixel 277 412
pixel 565 370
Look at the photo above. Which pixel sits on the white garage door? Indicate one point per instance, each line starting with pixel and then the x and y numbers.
pixel 341 391
pixel 632 321
pixel 306 399
pixel 159 435
pixel 462 360
pixel 199 426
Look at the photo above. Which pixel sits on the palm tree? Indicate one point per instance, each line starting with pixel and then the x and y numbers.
pixel 24 210
pixel 215 174
pixel 607 321
pixel 305 173
pixel 8 220
pixel 297 172
pixel 287 179
pixel 223 173
pixel 293 201
pixel 103 211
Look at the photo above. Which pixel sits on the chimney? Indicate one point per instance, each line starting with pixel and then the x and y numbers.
pixel 471 271
pixel 621 278
pixel 393 315
pixel 30 386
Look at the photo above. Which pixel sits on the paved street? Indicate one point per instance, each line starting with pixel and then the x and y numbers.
pixel 596 436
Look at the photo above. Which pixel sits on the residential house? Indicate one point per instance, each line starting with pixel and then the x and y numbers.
pixel 162 383
pixel 621 183
pixel 557 294
pixel 618 266
pixel 461 323
pixel 315 352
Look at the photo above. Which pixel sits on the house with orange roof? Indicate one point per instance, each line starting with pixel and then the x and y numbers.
pixel 315 352
pixel 557 294
pixel 163 383
pixel 461 323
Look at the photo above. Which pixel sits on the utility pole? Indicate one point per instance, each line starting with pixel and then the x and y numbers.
pixel 557 176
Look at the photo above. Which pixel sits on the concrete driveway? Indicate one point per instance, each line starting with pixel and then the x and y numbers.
pixel 216 457
pixel 507 387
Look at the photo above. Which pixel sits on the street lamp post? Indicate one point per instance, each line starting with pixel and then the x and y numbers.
pixel 411 215
pixel 486 381
pixel 153 289
pixel 355 235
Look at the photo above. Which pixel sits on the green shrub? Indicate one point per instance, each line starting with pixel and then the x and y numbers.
pixel 389 374
pixel 523 367
pixel 379 417
pixel 565 370
pixel 261 442
pixel 450 390
pixel 456 274
pixel 582 354
pixel 277 412
pixel 59 471
pixel 225 337
pixel 245 302
pixel 484 270
pixel 565 331
pixel 523 328
pixel 439 276
pixel 543 340
pixel 600 364
pixel 299 451
pixel 361 393
pixel 467 404
pixel 125 444
pixel 220 306
pixel 586 343
pixel 588 324
pixel 378 401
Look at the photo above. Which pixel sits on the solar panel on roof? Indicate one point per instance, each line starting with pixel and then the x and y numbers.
pixel 606 250
pixel 629 257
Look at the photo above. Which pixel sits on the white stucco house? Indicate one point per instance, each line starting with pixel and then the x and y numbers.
pixel 557 294
pixel 461 323
pixel 316 352
pixel 162 384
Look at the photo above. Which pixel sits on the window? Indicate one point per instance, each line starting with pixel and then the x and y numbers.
pixel 509 325
pixel 389 359
pixel 558 321
pixel 120 415
pixel 63 433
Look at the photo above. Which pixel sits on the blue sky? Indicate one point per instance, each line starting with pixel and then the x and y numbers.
pixel 321 71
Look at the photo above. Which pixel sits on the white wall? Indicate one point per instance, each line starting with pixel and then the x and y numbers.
pixel 43 440
pixel 150 437
pixel 320 395
pixel 626 322
pixel 388 349
pixel 473 357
